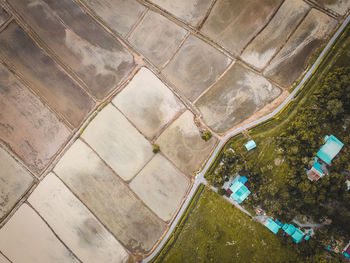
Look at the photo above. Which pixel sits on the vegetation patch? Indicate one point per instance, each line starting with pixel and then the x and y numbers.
pixel 218 232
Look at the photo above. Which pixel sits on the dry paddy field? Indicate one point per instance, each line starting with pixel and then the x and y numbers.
pixel 87 88
pixel 241 92
pixel 292 60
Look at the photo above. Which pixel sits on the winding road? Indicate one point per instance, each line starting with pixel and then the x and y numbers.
pixel 200 176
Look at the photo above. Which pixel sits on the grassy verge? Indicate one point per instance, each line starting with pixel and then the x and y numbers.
pixel 180 225
pixel 218 232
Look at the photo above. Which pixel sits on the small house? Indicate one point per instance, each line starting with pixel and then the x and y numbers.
pixel 296 234
pixel 330 149
pixel 239 191
pixel 272 226
pixel 315 172
pixel 250 145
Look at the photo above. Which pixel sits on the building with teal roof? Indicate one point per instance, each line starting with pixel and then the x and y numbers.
pixel 330 149
pixel 296 234
pixel 239 191
pixel 272 226
pixel 316 172
pixel 250 145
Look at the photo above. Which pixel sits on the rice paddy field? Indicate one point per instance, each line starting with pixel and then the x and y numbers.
pixel 88 88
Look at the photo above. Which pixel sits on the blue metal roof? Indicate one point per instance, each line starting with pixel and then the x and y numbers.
pixel 250 145
pixel 239 191
pixel 298 235
pixel 318 166
pixel 270 224
pixel 330 149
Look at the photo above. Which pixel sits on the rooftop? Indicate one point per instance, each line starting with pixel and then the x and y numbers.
pixel 330 149
pixel 250 145
pixel 239 191
pixel 272 226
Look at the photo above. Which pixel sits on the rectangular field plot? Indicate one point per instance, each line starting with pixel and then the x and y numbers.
pixel 161 186
pixel 338 6
pixel 189 11
pixel 233 23
pixel 292 60
pixel 31 130
pixel 44 75
pixel 14 182
pixel 111 201
pixel 195 67
pixel 268 42
pixel 3 15
pixel 26 238
pixel 148 103
pixel 3 259
pixel 94 55
pixel 74 223
pixel 157 38
pixel 181 142
pixel 119 15
pixel 118 142
pixel 236 96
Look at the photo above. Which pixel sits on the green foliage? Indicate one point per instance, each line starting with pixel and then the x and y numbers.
pixel 206 135
pixel 156 148
pixel 216 231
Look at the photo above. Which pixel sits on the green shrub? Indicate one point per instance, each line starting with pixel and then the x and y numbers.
pixel 156 148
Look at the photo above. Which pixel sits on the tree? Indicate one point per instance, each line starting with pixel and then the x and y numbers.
pixel 206 135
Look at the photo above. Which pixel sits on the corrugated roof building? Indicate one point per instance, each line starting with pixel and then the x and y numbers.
pixel 330 149
pixel 239 191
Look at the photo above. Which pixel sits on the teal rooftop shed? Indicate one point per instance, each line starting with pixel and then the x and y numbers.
pixel 330 149
pixel 296 234
pixel 239 191
pixel 250 145
pixel 272 226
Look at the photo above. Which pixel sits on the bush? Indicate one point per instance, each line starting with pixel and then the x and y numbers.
pixel 206 135
pixel 156 148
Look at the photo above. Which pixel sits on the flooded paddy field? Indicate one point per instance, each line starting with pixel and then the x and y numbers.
pixel 161 186
pixel 27 127
pixel 233 23
pixel 119 15
pixel 195 67
pixel 118 142
pixel 235 97
pixel 292 60
pixel 3 15
pixel 157 38
pixel 44 75
pixel 271 39
pixel 338 6
pixel 181 142
pixel 148 103
pixel 99 60
pixel 3 259
pixel 109 198
pixel 188 11
pixel 27 238
pixel 75 225
pixel 14 182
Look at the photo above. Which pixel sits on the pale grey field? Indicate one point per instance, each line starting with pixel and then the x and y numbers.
pixel 161 186
pixel 148 103
pixel 181 143
pixel 26 238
